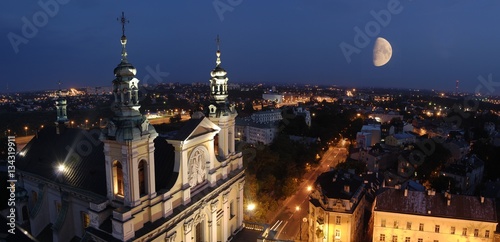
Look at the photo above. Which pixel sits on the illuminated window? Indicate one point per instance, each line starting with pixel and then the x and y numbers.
pixel 476 232
pixel 407 239
pixel 452 231
pixel 487 234
pixel 118 178
pixel 337 220
pixel 382 237
pixel 394 238
pixel 85 219
pixel 382 223
pixel 421 227
pixel 436 228
pixel 464 231
pixel 396 224
pixel 408 225
pixel 337 234
pixel 142 179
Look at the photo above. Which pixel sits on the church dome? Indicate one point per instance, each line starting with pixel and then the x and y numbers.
pixel 125 69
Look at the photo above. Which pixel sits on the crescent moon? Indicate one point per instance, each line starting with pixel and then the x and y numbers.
pixel 382 52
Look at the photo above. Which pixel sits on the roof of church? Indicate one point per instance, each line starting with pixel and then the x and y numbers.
pixel 79 150
pixel 420 203
pixel 82 154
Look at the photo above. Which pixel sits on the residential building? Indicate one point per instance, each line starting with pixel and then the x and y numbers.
pixel 413 216
pixel 375 131
pixel 400 139
pixel 467 173
pixel 337 208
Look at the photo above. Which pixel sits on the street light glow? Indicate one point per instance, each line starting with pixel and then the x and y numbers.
pixel 251 206
pixel 61 167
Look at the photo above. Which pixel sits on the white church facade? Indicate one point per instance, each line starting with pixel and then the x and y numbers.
pixel 126 182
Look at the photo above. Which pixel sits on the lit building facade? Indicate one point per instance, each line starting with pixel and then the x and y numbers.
pixel 413 216
pixel 337 208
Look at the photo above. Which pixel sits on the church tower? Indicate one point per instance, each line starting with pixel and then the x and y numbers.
pixel 219 110
pixel 62 116
pixel 128 147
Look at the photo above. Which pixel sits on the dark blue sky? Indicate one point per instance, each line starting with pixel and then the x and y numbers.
pixel 287 41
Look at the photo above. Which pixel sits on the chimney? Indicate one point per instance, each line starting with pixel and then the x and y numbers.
pixel 482 199
pixel 346 188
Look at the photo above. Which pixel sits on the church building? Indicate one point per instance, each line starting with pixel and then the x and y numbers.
pixel 125 182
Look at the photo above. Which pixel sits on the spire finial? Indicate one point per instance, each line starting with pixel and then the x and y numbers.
pixel 123 40
pixel 123 21
pixel 218 50
pixel 218 42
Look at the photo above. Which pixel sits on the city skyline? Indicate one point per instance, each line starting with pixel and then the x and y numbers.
pixel 318 42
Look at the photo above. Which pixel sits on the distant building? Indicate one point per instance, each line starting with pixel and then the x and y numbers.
pixel 385 117
pixel 363 140
pixel 256 133
pixel 377 159
pixel 337 208
pixel 404 215
pixel 375 131
pixel 467 173
pixel 267 116
pixel 400 139
pixel 273 97
pixel 458 148
pixel 301 111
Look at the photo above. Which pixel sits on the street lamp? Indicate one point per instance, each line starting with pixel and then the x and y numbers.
pixel 72 122
pixel 86 122
pixel 251 206
pixel 26 130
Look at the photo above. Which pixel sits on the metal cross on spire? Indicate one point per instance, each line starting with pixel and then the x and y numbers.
pixel 123 21
pixel 218 42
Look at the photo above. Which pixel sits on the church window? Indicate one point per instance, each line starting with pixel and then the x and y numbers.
pixel 118 178
pixel 142 177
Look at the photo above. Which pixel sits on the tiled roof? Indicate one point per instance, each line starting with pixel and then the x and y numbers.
pixel 420 203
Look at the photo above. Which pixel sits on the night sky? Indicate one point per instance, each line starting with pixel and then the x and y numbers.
pixel 434 43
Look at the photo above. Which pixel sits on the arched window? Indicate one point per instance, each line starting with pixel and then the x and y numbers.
pixel 142 178
pixel 216 144
pixel 118 178
pixel 34 196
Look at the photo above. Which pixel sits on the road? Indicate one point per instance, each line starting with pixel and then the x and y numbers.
pixel 288 219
